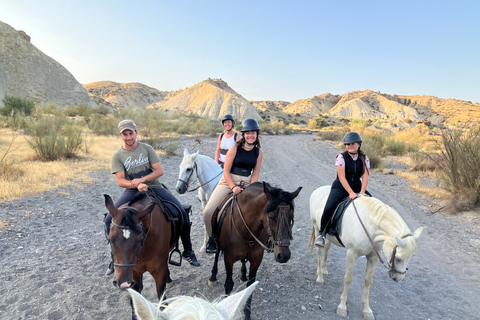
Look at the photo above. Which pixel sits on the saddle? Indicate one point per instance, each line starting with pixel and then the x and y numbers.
pixel 334 226
pixel 218 215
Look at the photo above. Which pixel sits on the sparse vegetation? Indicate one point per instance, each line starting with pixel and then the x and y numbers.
pixel 13 105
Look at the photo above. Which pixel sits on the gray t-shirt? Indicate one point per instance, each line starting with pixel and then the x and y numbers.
pixel 136 163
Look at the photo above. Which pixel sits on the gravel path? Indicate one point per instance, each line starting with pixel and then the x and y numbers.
pixel 53 253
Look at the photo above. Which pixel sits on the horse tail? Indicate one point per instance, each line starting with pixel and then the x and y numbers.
pixel 312 240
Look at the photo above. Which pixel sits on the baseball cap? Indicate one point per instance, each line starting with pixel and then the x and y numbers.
pixel 126 125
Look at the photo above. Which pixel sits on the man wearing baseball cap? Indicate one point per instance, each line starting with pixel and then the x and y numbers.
pixel 137 167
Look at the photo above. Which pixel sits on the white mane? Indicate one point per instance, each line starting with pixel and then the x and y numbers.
pixel 192 308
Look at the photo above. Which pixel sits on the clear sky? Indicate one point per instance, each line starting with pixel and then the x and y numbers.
pixel 265 50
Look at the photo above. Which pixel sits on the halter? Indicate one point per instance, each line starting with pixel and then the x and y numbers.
pixel 191 173
pixel 391 264
pixel 271 239
pixel 142 243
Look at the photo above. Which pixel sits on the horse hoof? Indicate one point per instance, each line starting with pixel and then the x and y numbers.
pixel 212 283
pixel 368 316
pixel 320 280
pixel 342 312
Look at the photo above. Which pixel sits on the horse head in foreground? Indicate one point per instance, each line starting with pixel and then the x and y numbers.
pixel 259 218
pixel 140 239
pixel 192 308
pixel 203 170
pixel 368 227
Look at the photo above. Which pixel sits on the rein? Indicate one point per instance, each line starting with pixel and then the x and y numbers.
pixel 140 224
pixel 196 169
pixel 391 264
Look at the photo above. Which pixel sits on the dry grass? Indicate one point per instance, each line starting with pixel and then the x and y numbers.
pixel 40 176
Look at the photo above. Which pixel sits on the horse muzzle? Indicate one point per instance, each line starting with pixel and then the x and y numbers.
pixel 181 187
pixel 282 254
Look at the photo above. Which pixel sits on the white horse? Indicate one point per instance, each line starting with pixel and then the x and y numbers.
pixel 385 228
pixel 192 308
pixel 205 171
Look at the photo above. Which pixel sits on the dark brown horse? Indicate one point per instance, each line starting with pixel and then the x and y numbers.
pixel 141 239
pixel 260 218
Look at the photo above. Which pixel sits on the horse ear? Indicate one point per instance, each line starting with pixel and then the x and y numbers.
pixel 294 194
pixel 185 152
pixel 109 204
pixel 266 190
pixel 400 242
pixel 232 306
pixel 144 309
pixel 419 232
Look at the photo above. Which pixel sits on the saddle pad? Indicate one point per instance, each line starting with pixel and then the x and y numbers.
pixel 335 226
pixel 224 208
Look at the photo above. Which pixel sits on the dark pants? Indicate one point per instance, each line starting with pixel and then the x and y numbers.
pixel 163 194
pixel 334 198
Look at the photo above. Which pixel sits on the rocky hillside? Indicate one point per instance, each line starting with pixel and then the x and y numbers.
pixel 120 95
pixel 374 105
pixel 210 98
pixel 25 71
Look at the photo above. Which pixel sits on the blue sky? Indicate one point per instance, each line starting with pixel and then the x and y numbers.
pixel 265 50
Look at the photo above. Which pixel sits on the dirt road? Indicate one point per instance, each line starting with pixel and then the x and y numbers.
pixel 54 254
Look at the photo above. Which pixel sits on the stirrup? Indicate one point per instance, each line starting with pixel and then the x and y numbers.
pixel 320 241
pixel 212 242
pixel 173 262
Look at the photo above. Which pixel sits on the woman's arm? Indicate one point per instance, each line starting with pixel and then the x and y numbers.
pixel 217 153
pixel 256 170
pixel 232 152
pixel 344 182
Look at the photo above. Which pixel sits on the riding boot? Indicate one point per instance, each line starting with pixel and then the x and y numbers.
pixel 212 245
pixel 188 253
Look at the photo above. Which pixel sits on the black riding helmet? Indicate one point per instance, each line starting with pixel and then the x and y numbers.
pixel 250 125
pixel 228 117
pixel 352 137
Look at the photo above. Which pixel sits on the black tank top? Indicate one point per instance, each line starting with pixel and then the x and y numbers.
pixel 244 161
pixel 353 172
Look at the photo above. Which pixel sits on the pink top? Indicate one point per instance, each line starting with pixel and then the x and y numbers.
pixel 341 161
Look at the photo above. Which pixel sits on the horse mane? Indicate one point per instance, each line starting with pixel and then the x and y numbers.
pixel 379 212
pixel 130 211
pixel 186 308
pixel 278 196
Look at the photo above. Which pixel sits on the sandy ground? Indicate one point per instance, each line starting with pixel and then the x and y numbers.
pixel 53 254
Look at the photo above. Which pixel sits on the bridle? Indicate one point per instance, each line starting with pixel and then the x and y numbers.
pixel 390 264
pixel 186 182
pixel 142 243
pixel 271 242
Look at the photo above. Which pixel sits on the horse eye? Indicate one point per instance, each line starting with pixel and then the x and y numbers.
pixel 189 169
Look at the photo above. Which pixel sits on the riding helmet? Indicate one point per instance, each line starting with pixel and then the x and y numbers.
pixel 250 125
pixel 228 117
pixel 352 137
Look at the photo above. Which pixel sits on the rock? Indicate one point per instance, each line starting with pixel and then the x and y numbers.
pixel 25 71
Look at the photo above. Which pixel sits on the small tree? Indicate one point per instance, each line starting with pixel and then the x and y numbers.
pixel 13 105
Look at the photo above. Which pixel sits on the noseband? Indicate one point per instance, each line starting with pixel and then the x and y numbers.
pixel 142 243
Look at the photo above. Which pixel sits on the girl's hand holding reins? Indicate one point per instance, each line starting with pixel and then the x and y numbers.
pixel 352 195
pixel 237 189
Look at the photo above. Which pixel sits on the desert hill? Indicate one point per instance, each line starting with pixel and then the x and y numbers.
pixel 25 71
pixel 119 95
pixel 210 98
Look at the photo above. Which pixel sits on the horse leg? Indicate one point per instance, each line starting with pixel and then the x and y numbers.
pixel 137 286
pixel 372 260
pixel 347 280
pixel 229 273
pixel 169 280
pixel 203 249
pixel 243 271
pixel 252 275
pixel 322 254
pixel 213 277
pixel 160 275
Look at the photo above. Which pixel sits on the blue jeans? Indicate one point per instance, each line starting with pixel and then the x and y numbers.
pixel 163 194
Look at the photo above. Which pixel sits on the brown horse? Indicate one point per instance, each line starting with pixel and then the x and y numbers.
pixel 141 239
pixel 260 218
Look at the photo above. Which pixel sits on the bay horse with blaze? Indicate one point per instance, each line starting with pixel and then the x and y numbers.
pixel 259 218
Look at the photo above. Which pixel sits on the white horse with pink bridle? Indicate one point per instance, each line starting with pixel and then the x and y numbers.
pixel 368 227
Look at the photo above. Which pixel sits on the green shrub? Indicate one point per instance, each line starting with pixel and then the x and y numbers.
pixel 331 135
pixel 317 122
pixel 101 125
pixel 55 138
pixel 395 147
pixel 14 104
pixel 459 161
pixel 82 110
